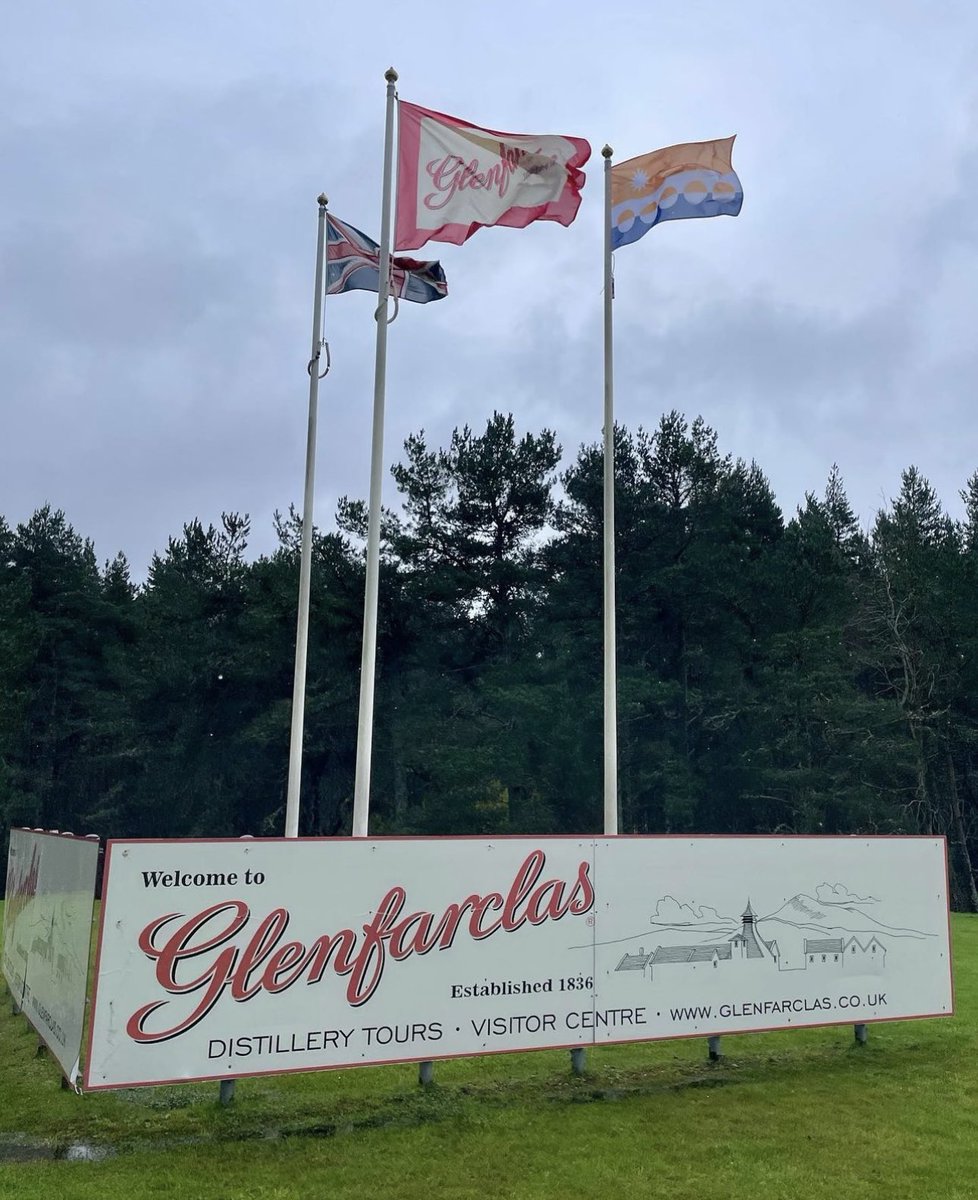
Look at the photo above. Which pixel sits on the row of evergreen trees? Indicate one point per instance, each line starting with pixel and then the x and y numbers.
pixel 805 677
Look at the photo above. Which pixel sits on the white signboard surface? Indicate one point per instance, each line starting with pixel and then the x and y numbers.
pixel 227 958
pixel 47 930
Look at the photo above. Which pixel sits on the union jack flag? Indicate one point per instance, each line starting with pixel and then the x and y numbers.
pixel 353 262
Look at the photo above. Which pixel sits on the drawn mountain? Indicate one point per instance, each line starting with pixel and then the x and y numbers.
pixel 837 914
pixel 833 919
pixel 690 922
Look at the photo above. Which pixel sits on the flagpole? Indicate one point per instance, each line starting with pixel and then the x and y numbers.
pixel 579 1053
pixel 368 660
pixel 610 650
pixel 305 556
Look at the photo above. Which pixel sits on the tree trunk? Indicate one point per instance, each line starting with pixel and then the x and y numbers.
pixel 399 780
pixel 959 831
pixel 925 810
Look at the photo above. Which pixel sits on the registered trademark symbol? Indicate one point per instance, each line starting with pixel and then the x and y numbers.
pixel 590 920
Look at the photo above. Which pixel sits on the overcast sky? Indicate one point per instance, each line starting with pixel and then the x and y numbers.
pixel 159 167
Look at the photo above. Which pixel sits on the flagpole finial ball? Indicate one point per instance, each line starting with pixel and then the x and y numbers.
pixel 606 150
pixel 390 75
pixel 322 200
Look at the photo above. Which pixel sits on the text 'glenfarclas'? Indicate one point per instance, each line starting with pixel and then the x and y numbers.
pixel 266 963
pixel 452 174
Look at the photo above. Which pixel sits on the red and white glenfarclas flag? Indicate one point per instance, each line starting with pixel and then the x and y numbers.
pixel 453 177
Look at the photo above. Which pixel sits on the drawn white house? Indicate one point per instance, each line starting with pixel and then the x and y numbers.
pixel 43 947
pixel 747 947
pixel 47 949
pixel 844 953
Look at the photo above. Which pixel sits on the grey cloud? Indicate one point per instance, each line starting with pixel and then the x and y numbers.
pixel 157 228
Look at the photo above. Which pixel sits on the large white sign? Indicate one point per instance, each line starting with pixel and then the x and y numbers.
pixel 47 931
pixel 227 958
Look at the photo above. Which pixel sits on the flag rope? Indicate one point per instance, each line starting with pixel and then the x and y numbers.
pixel 391 290
pixel 324 345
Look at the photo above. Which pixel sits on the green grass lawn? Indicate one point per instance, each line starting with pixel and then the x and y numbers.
pixel 795 1114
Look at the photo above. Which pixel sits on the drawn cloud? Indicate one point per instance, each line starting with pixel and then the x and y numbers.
pixel 670 911
pixel 838 893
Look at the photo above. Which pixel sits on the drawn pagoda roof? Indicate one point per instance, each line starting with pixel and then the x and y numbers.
pixel 747 935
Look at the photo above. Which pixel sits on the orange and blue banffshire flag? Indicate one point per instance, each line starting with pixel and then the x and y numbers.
pixel 695 179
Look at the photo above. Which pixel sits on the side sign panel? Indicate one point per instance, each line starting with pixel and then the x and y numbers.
pixel 47 928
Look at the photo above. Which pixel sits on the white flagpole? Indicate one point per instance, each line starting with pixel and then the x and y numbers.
pixel 368 660
pixel 305 557
pixel 579 1053
pixel 610 651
